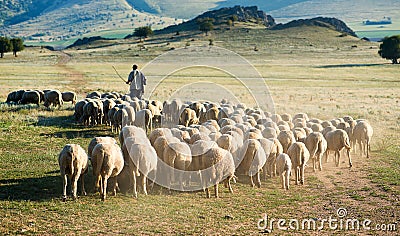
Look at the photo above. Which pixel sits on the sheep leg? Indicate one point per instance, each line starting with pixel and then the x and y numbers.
pixel 274 168
pixel 83 185
pixel 326 156
pixel 104 188
pixel 258 180
pixel 97 183
pixel 208 193
pixel 228 182
pixel 297 172
pixel 337 158
pixel 287 175
pixel 368 147
pixel 302 174
pixel 135 195
pixel 320 161
pixel 144 180
pixel 348 155
pixel 115 186
pixel 265 170
pixel 251 182
pixel 74 185
pixel 283 180
pixel 65 180
pixel 314 164
pixel 216 190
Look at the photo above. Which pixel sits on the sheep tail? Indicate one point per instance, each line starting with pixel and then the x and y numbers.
pixel 313 151
pixel 100 161
pixel 73 155
pixel 347 143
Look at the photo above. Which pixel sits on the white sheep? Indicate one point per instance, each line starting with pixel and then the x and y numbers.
pixel 338 140
pixel 299 155
pixel 73 163
pixel 362 135
pixel 144 119
pixel 143 160
pixel 214 164
pixel 252 158
pixel 286 138
pixel 177 156
pixel 97 140
pixel 270 165
pixel 316 145
pixel 284 168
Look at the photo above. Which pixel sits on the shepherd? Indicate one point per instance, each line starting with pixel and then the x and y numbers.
pixel 137 81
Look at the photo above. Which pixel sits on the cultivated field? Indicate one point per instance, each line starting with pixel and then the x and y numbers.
pixel 306 69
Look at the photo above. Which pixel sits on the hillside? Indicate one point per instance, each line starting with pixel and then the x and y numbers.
pixel 333 23
pixel 73 19
pixel 44 20
pixel 222 16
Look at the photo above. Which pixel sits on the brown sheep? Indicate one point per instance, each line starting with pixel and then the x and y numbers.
pixel 69 97
pixel 107 161
pixel 212 114
pixel 53 97
pixel 188 117
pixel 79 109
pixel 30 97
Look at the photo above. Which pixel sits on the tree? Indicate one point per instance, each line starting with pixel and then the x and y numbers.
pixel 206 24
pixel 390 48
pixel 143 32
pixel 17 45
pixel 234 18
pixel 5 46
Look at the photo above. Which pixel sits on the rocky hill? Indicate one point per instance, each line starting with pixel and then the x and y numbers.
pixel 221 16
pixel 333 23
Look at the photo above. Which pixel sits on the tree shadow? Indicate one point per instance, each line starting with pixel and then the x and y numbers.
pixel 349 65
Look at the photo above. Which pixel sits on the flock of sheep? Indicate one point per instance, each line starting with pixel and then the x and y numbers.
pixel 203 144
pixel 48 97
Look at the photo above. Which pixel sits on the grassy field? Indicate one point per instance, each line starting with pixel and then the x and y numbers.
pixel 306 69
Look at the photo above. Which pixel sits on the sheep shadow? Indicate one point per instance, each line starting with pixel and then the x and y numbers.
pixel 39 189
pixel 33 189
pixel 70 129
pixel 57 121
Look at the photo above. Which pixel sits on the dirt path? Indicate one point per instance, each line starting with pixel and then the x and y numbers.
pixel 353 190
pixel 68 73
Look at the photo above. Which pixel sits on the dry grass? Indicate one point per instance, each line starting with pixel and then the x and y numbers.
pixel 329 79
